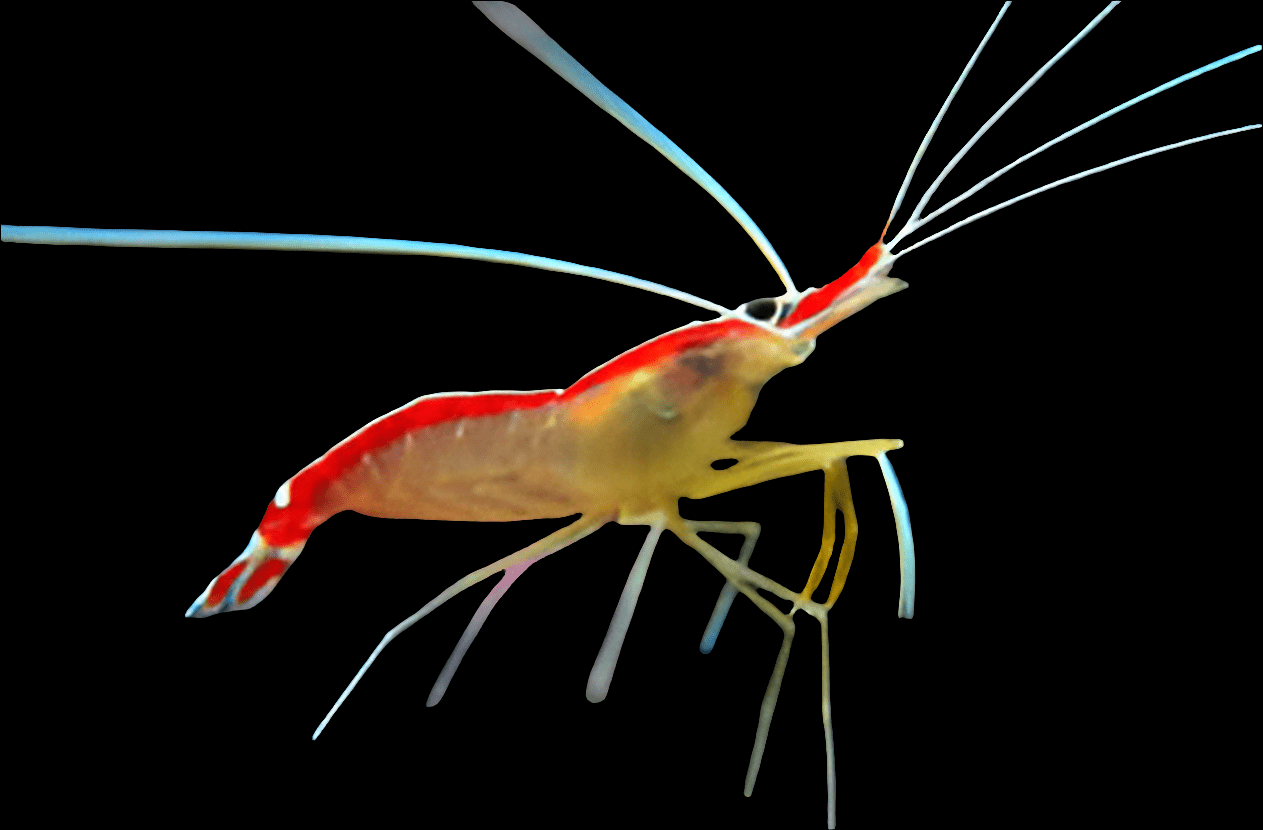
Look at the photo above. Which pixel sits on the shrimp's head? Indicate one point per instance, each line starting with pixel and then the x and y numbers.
pixel 804 316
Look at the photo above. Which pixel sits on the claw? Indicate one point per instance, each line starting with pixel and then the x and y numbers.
pixel 249 579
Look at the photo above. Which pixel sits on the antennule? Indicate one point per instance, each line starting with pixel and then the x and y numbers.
pixel 915 220
pixel 1098 119
pixel 1075 177
pixel 925 142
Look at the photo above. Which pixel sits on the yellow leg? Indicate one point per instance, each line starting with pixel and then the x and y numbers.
pixel 841 494
pixel 760 461
pixel 763 461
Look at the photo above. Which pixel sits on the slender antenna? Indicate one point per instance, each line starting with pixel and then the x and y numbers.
pixel 914 221
pixel 244 240
pixel 1075 177
pixel 527 34
pixel 925 142
pixel 1163 88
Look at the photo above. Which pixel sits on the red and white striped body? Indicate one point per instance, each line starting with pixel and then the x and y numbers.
pixel 628 438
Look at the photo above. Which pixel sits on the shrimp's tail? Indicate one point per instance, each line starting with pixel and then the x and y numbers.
pixel 249 579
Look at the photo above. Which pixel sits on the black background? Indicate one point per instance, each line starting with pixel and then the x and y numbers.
pixel 1063 375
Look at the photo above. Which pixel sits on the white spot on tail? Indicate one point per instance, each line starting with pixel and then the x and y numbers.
pixel 281 499
pixel 255 545
pixel 460 427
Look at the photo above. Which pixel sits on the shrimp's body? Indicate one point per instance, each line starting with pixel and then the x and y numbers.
pixel 626 440
pixel 623 449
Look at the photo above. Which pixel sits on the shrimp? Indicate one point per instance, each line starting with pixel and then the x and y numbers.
pixel 271 393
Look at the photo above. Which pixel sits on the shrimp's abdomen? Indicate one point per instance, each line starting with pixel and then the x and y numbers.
pixel 508 466
pixel 495 457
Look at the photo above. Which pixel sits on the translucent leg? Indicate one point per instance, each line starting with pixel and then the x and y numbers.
pixel 750 530
pixel 903 528
pixel 549 544
pixel 475 625
pixel 837 497
pixel 739 575
pixel 758 462
pixel 607 658
pixel 826 711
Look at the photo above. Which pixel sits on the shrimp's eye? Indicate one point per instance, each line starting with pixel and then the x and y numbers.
pixel 764 309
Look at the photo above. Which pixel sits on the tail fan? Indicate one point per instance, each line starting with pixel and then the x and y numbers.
pixel 249 579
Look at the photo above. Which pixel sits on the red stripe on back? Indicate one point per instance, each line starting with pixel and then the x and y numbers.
pixel 818 301
pixel 660 348
pixel 421 413
pixel 288 526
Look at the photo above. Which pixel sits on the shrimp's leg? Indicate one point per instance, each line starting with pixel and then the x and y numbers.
pixel 837 496
pixel 549 544
pixel 760 461
pixel 737 575
pixel 750 530
pixel 511 574
pixel 607 658
pixel 826 710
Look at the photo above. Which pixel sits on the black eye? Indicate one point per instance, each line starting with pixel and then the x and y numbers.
pixel 764 309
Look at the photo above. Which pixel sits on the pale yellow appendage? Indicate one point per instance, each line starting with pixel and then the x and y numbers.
pixel 745 581
pixel 750 530
pixel 837 496
pixel 764 461
pixel 549 544
pixel 760 461
pixel 607 658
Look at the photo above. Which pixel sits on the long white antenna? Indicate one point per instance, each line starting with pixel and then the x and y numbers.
pixel 1075 177
pixel 915 219
pixel 997 174
pixel 925 142
pixel 251 241
pixel 527 34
